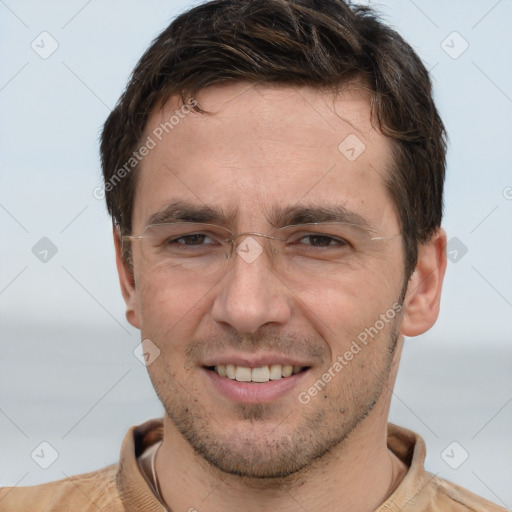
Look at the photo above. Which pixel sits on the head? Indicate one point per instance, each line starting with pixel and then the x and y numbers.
pixel 245 114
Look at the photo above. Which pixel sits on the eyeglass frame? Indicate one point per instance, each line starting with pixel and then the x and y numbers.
pixel 234 235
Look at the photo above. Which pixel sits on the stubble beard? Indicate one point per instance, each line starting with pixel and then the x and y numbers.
pixel 262 445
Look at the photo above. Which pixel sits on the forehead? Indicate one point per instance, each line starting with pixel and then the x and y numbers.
pixel 259 147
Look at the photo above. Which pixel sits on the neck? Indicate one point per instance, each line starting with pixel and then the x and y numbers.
pixel 357 475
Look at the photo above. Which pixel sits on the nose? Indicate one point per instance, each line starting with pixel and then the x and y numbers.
pixel 251 294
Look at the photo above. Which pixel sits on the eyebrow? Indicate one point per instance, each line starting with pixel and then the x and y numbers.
pixel 309 214
pixel 183 211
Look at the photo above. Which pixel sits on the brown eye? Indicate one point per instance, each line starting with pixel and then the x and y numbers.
pixel 317 240
pixel 195 239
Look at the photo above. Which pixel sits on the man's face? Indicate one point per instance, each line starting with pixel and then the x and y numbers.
pixel 265 150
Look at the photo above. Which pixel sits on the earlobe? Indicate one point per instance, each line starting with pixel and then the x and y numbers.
pixel 423 297
pixel 127 282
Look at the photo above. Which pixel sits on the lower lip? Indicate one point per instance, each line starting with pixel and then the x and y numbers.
pixel 254 392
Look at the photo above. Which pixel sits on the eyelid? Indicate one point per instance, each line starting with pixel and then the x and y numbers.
pixel 356 229
pixel 334 241
pixel 325 224
pixel 215 229
pixel 195 227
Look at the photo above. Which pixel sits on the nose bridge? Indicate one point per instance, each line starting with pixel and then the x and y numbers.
pixel 249 245
pixel 251 295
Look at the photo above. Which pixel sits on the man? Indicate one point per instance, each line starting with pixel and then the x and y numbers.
pixel 274 171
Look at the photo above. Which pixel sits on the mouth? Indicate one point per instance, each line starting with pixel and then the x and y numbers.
pixel 255 384
pixel 257 375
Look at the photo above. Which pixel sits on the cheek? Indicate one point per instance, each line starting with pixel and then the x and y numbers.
pixel 341 309
pixel 170 310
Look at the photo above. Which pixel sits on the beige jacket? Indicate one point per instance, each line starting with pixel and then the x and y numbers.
pixel 122 486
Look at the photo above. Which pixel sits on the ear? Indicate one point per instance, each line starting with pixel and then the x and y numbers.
pixel 423 297
pixel 127 282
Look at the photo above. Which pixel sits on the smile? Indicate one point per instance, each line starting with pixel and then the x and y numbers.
pixel 258 375
pixel 255 384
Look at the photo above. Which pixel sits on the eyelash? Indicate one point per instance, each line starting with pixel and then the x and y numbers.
pixel 330 238
pixel 339 242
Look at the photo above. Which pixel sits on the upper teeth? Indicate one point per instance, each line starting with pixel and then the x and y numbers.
pixel 260 374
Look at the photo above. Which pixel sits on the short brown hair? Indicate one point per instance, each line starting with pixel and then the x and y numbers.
pixel 316 43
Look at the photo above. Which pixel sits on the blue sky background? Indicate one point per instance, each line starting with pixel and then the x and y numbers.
pixel 65 344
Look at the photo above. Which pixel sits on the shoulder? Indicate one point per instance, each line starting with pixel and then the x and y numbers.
pixel 422 491
pixel 449 496
pixel 87 492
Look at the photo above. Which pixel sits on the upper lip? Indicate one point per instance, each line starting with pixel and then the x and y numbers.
pixel 253 360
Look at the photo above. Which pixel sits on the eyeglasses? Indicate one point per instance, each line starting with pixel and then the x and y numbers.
pixel 303 251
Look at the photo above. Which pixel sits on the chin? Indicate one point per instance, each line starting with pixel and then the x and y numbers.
pixel 259 446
